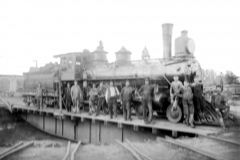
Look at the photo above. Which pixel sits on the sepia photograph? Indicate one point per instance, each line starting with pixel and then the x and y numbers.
pixel 119 80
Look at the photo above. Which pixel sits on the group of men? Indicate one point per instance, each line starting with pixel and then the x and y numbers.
pixel 189 93
pixel 185 92
pixel 192 93
pixel 73 94
pixel 97 96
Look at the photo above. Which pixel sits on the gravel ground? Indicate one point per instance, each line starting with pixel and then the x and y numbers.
pixel 103 152
pixel 161 150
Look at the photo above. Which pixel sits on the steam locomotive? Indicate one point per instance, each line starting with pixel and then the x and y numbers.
pixel 92 67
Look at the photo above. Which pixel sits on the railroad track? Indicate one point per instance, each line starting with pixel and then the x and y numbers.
pixel 14 149
pixel 134 151
pixel 209 147
pixel 203 147
pixel 70 155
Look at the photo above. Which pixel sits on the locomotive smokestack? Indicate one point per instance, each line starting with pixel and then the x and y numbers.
pixel 167 40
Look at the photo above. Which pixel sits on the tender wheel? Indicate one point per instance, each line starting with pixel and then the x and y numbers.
pixel 175 115
pixel 139 110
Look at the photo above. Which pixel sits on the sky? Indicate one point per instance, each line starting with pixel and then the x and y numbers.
pixel 36 30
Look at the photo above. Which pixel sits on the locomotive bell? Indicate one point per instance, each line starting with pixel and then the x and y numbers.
pixel 184 46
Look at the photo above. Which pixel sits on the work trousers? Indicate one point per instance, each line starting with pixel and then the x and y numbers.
pixel 39 102
pixel 147 103
pixel 76 104
pixel 127 109
pixel 100 105
pixel 92 105
pixel 188 107
pixel 200 103
pixel 68 104
pixel 112 106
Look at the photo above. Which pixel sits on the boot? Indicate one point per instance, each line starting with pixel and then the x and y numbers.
pixel 186 120
pixel 222 123
pixel 191 121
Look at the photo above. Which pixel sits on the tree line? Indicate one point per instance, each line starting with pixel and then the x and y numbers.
pixel 211 77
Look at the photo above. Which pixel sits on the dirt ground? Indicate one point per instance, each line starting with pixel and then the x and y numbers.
pixel 103 152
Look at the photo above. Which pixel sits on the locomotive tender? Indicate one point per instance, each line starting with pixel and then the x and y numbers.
pixel 92 67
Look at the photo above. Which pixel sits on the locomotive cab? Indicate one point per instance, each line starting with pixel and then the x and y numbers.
pixel 72 64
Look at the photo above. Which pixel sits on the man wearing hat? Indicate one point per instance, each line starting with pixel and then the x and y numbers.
pixel 77 96
pixel 146 96
pixel 67 97
pixel 187 101
pixel 126 98
pixel 219 102
pixel 101 94
pixel 92 99
pixel 111 98
pixel 198 98
pixel 175 88
pixel 39 96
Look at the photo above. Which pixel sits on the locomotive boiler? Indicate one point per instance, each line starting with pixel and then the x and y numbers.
pixel 92 67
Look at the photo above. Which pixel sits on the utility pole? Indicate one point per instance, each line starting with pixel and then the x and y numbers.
pixel 35 62
pixel 221 81
pixel 60 90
